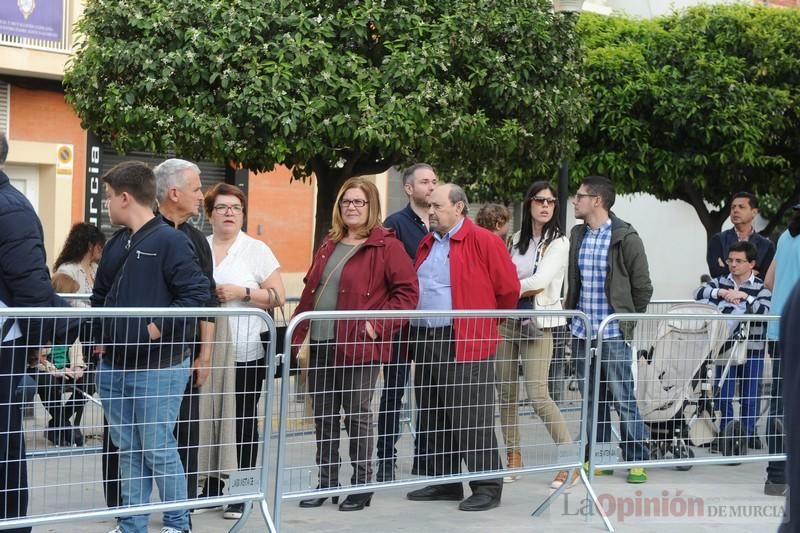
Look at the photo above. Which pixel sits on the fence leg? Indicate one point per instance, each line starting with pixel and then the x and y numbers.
pixel 596 501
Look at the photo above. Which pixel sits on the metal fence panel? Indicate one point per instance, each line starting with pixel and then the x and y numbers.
pixel 66 461
pixel 347 421
pixel 698 403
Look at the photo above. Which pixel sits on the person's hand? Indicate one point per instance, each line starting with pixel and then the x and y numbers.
pixel 228 292
pixel 734 297
pixel 370 331
pixel 202 368
pixel 153 331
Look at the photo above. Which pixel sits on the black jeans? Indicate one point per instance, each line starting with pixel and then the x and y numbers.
pixel 249 381
pixel 776 470
pixel 457 399
pixel 395 376
pixel 333 389
pixel 13 466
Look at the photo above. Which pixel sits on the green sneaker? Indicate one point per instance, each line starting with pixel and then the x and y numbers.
pixel 637 475
pixel 598 471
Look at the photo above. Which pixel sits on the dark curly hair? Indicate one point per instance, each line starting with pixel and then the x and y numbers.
pixel 82 237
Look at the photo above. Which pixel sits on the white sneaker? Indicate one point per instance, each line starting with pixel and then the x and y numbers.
pixel 167 529
pixel 116 530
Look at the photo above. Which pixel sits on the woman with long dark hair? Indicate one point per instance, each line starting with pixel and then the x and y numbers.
pixel 540 252
pixel 80 255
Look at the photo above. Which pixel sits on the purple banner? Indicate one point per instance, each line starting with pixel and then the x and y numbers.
pixel 34 19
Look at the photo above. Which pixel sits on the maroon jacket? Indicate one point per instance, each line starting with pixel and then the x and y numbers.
pixel 378 276
pixel 482 276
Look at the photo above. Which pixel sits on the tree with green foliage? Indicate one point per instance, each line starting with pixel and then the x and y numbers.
pixel 487 91
pixel 696 106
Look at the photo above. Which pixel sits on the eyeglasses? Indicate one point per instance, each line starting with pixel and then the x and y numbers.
pixel 236 209
pixel 544 200
pixel 357 203
pixel 580 195
pixel 736 261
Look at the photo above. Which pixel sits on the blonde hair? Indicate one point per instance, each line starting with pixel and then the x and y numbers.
pixel 338 228
pixel 64 283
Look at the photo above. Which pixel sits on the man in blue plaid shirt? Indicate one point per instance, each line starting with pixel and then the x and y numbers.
pixel 608 273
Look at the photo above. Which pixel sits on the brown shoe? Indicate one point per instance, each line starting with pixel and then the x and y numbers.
pixel 562 478
pixel 514 461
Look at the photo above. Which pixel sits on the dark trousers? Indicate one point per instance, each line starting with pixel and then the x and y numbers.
pixel 458 403
pixel 395 376
pixel 249 381
pixel 53 392
pixel 187 433
pixel 13 467
pixel 333 389
pixel 776 470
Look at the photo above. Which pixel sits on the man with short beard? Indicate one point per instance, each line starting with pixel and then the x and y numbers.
pixel 410 224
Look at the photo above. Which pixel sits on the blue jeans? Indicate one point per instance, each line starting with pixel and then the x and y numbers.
pixel 615 388
pixel 141 407
pixel 748 376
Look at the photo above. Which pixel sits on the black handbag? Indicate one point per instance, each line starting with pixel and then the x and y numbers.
pixel 280 344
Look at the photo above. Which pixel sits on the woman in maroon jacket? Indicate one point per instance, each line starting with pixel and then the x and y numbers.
pixel 359 266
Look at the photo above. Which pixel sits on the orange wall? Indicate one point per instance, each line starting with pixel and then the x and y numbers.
pixel 286 211
pixel 44 116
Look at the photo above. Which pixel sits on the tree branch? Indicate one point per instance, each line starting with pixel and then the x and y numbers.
pixel 371 166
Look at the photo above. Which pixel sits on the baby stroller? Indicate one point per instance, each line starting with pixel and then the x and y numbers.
pixel 675 383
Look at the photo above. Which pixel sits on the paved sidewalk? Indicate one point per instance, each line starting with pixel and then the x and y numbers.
pixel 710 498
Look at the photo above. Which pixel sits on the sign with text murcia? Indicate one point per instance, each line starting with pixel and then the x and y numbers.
pixel 33 19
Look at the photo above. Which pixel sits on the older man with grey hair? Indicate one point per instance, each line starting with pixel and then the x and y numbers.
pixel 459 266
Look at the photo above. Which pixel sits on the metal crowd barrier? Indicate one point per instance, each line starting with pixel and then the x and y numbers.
pixel 455 402
pixel 66 478
pixel 686 378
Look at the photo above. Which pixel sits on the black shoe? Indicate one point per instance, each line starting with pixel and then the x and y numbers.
pixel 356 502
pixel 317 502
pixel 385 471
pixel 453 492
pixel 754 442
pixel 774 489
pixel 479 502
pixel 233 511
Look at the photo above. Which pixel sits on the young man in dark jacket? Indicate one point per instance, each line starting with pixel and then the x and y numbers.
pixel 608 273
pixel 146 364
pixel 24 282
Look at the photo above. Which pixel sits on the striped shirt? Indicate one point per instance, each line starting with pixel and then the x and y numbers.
pixel 757 303
pixel 593 268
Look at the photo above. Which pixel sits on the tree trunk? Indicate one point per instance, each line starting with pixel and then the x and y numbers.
pixel 328 184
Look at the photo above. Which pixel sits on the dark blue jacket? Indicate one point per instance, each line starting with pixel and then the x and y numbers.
pixel 24 278
pixel 408 227
pixel 790 374
pixel 718 250
pixel 154 267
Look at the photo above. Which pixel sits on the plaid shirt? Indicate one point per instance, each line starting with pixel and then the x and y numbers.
pixel 593 267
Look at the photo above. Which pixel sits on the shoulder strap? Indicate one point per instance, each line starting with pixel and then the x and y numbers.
pixel 335 268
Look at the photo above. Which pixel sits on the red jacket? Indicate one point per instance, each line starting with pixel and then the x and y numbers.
pixel 482 276
pixel 379 275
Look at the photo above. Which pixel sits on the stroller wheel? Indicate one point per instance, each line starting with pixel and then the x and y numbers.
pixel 731 439
pixel 684 452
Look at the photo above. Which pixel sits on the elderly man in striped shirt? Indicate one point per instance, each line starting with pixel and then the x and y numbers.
pixel 738 293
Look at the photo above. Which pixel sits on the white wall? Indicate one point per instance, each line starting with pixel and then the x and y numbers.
pixel 674 240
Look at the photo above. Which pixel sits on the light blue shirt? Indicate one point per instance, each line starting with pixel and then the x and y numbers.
pixel 434 280
pixel 787 273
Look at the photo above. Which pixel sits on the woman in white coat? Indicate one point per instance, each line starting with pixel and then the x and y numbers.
pixel 540 252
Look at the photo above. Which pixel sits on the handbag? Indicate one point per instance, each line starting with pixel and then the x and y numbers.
pixel 735 348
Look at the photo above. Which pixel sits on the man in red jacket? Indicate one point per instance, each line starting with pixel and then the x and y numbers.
pixel 459 266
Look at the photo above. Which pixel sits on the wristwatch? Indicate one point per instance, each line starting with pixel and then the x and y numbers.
pixel 246 294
